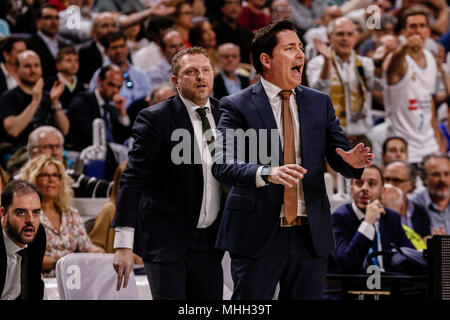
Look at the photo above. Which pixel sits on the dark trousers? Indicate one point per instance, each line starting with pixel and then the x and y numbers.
pixel 290 259
pixel 197 276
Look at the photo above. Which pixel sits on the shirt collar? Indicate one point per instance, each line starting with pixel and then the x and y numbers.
pixel 359 214
pixel 45 38
pixel 272 90
pixel 69 86
pixel 10 246
pixel 350 59
pixel 99 98
pixel 5 72
pixel 191 106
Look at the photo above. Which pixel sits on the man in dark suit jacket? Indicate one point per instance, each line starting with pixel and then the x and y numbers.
pixel 272 234
pixel 22 242
pixel 46 41
pixel 168 197
pixel 228 81
pixel 365 226
pixel 9 49
pixel 91 56
pixel 105 103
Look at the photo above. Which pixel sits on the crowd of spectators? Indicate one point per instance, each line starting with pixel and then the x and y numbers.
pixel 65 63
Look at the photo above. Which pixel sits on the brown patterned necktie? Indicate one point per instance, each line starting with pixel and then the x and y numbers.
pixel 290 194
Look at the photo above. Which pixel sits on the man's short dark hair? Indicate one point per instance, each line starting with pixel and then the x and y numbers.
pixel 223 2
pixel 385 143
pixel 18 187
pixel 373 166
pixel 105 69
pixel 180 54
pixel 414 11
pixel 111 37
pixel 266 40
pixel 7 44
pixel 38 12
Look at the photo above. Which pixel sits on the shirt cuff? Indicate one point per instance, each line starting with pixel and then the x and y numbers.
pixel 124 237
pixel 367 230
pixel 125 121
pixel 259 180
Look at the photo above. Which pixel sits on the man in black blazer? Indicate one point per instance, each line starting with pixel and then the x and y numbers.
pixel 228 81
pixel 169 202
pixel 105 103
pixel 46 41
pixel 92 55
pixel 9 49
pixel 22 243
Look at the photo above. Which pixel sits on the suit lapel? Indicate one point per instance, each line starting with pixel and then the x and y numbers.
pixel 183 121
pixel 262 106
pixel 302 101
pixel 2 262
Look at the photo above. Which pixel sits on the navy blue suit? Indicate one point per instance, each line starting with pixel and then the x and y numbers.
pixel 250 223
pixel 352 247
pixel 162 201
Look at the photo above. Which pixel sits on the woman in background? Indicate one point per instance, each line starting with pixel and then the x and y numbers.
pixel 63 224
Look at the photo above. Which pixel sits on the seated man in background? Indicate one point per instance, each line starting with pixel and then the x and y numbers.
pixel 436 194
pixel 413 215
pixel 28 106
pixel 22 242
pixel 365 226
pixel 9 49
pixel 228 81
pixel 103 102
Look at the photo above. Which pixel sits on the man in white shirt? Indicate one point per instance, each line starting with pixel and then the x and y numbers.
pixel 22 243
pixel 169 204
pixel 10 48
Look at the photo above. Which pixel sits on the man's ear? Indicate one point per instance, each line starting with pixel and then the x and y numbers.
pixel 174 80
pixel 2 215
pixel 265 60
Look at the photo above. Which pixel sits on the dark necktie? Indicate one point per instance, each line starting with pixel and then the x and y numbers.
pixel 205 127
pixel 24 274
pixel 290 194
pixel 108 132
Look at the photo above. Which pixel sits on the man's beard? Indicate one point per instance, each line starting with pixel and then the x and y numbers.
pixel 12 232
pixel 437 194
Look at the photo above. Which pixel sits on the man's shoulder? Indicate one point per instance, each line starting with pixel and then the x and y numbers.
pixel 89 46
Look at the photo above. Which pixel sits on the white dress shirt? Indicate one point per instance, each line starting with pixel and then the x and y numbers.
pixel 211 188
pixel 368 230
pixel 123 120
pixel 51 44
pixel 11 82
pixel 12 287
pixel 272 92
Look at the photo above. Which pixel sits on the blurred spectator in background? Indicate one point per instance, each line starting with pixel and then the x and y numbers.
pixel 67 65
pixel 123 6
pixel 394 148
pixel 413 215
pixel 21 15
pixel 4 178
pixel 46 42
pixel 92 55
pixel 388 24
pixel 103 102
pixel 28 106
pixel 203 35
pixel 411 83
pixel 136 84
pixel 77 33
pixel 228 29
pixel 171 43
pixel 347 77
pixel 321 31
pixel 436 194
pixel 306 13
pixel 281 10
pixel 156 95
pixel 228 81
pixel 63 224
pixel 254 15
pixel 9 48
pixel 365 226
pixel 135 37
pixel 183 19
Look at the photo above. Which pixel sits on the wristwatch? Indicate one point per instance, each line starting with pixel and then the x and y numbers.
pixel 265 173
